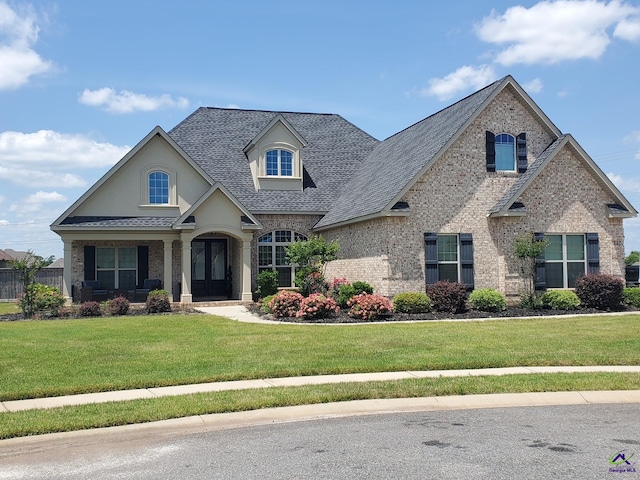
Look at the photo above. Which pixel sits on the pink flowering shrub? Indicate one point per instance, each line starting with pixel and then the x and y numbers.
pixel 285 303
pixel 369 306
pixel 317 305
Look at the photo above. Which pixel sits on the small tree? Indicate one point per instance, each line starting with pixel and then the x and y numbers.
pixel 527 249
pixel 28 267
pixel 310 256
pixel 632 258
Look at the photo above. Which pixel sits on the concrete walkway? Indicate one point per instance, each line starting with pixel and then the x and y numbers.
pixel 103 397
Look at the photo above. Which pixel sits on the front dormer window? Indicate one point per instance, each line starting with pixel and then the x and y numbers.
pixel 158 188
pixel 279 163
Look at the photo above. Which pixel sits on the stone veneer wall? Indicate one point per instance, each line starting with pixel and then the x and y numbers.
pixel 455 196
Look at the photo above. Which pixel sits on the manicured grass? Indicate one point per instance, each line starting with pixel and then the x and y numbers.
pixel 8 307
pixel 58 357
pixel 33 422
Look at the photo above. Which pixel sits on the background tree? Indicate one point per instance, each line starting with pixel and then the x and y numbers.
pixel 310 256
pixel 28 268
pixel 632 258
pixel 527 249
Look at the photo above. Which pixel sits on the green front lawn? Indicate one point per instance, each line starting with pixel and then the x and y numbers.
pixel 59 357
pixel 8 307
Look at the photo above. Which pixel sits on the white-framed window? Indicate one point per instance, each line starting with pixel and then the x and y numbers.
pixel 158 188
pixel 279 162
pixel 565 260
pixel 117 268
pixel 448 258
pixel 505 148
pixel 272 254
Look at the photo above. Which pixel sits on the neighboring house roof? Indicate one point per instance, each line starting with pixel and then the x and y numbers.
pixel 59 263
pixel 15 254
pixel 216 139
pixel 505 205
pixel 5 256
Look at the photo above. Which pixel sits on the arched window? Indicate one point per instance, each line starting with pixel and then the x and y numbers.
pixel 158 188
pixel 279 163
pixel 271 254
pixel 505 152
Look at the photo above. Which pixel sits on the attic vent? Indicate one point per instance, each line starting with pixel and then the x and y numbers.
pixel 401 206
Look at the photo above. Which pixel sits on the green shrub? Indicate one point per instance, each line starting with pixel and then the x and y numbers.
pixel 285 303
pixel 348 291
pixel 369 307
pixel 264 304
pixel 267 283
pixel 631 297
pixel 90 309
pixel 487 300
pixel 41 298
pixel 600 290
pixel 317 305
pixel 118 306
pixel 412 302
pixel 560 300
pixel 449 297
pixel 158 301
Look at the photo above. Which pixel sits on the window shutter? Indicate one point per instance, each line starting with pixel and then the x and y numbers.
pixel 466 260
pixel 540 273
pixel 431 258
pixel 89 262
pixel 491 151
pixel 521 152
pixel 593 253
pixel 143 264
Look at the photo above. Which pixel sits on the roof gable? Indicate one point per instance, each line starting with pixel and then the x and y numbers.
pixel 402 159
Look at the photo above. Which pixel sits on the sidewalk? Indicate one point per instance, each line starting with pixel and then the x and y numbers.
pixel 102 397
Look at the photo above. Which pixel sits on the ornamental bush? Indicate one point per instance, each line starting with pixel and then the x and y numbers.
pixel 487 300
pixel 90 309
pixel 285 303
pixel 158 301
pixel 264 304
pixel 347 291
pixel 600 290
pixel 369 307
pixel 267 283
pixel 450 297
pixel 631 297
pixel 41 298
pixel 317 305
pixel 118 306
pixel 411 302
pixel 560 300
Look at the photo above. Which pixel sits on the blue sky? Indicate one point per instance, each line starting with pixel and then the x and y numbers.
pixel 82 82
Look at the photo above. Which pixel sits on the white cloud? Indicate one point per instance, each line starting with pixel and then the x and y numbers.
pixel 39 202
pixel 534 86
pixel 633 136
pixel 552 31
pixel 37 178
pixel 463 79
pixel 53 150
pixel 128 102
pixel 4 223
pixel 18 60
pixel 625 184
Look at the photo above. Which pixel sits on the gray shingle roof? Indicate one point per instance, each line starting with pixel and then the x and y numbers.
pixel 396 161
pixel 215 138
pixel 122 222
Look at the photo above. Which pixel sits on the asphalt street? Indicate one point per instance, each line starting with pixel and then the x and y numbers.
pixel 572 442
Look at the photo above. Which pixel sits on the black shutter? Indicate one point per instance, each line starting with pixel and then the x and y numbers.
pixel 491 151
pixel 143 264
pixel 89 262
pixel 431 258
pixel 540 273
pixel 593 253
pixel 521 152
pixel 466 260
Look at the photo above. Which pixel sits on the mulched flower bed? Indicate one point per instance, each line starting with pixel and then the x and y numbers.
pixel 134 310
pixel 510 312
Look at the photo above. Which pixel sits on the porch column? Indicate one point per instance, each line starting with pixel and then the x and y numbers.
pixel 168 267
pixel 246 295
pixel 186 296
pixel 67 273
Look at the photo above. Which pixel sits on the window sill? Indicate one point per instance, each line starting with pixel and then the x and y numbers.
pixel 158 205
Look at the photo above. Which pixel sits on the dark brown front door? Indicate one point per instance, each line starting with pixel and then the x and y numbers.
pixel 208 268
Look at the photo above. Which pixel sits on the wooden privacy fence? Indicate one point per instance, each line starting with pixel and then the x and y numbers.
pixel 11 286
